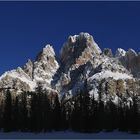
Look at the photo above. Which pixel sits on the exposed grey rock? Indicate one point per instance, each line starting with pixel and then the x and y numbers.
pixel 28 68
pixel 120 52
pixel 107 52
pixel 82 67
pixel 131 61
pixel 78 50
pixel 45 65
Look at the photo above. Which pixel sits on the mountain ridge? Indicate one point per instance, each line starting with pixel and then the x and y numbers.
pixel 81 62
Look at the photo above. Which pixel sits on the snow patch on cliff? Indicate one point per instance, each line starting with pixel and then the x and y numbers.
pixel 107 74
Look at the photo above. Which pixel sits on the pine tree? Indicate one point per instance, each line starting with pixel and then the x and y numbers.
pixel 135 115
pixel 7 112
pixel 122 116
pixel 95 116
pixel 15 114
pixel 57 114
pixel 64 123
pixel 1 112
pixel 46 113
pixel 36 113
pixel 77 118
pixel 23 111
pixel 87 113
pixel 36 110
pixel 113 116
pixel 33 116
pixel 101 115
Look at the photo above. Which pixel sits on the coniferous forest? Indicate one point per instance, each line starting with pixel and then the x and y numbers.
pixel 40 112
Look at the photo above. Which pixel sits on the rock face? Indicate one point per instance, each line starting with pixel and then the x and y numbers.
pixel 45 66
pixel 120 52
pixel 78 50
pixel 28 68
pixel 108 52
pixel 33 73
pixel 131 61
pixel 82 67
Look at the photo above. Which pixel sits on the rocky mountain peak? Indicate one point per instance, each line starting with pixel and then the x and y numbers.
pixel 120 52
pixel 45 66
pixel 130 60
pixel 78 49
pixel 107 52
pixel 85 79
pixel 40 71
pixel 81 37
pixel 28 68
pixel 46 53
pixel 131 53
pixel 82 66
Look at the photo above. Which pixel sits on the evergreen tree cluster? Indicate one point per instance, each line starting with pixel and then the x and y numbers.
pixel 40 112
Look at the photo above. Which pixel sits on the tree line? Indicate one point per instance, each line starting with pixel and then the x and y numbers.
pixel 40 112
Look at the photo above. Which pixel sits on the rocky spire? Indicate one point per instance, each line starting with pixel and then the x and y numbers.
pixel 120 52
pixel 108 52
pixel 83 65
pixel 79 49
pixel 45 65
pixel 46 53
pixel 28 68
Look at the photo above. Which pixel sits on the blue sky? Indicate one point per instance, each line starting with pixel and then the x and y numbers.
pixel 25 27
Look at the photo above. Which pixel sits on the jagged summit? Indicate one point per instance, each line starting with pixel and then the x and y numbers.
pixel 46 52
pixel 79 43
pixel 28 68
pixel 33 72
pixel 78 49
pixel 82 65
pixel 120 52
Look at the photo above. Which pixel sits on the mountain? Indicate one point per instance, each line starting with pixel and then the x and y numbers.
pixel 81 66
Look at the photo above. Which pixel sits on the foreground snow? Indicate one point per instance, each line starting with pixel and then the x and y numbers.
pixel 70 135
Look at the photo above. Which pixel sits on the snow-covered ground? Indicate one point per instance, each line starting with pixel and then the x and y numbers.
pixel 69 135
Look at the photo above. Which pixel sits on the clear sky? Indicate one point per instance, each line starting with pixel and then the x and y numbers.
pixel 25 27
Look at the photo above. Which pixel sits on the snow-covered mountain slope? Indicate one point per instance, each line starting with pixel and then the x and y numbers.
pixel 45 66
pixel 17 79
pixel 82 66
pixel 84 63
pixel 131 61
pixel 33 73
